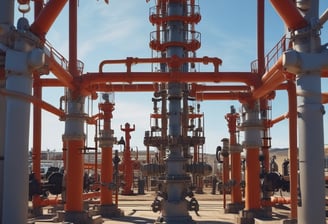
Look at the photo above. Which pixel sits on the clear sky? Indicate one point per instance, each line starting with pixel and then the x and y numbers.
pixel 121 29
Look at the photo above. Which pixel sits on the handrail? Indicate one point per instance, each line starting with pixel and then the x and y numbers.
pixel 273 55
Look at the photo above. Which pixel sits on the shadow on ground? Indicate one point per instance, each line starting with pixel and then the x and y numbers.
pixel 141 220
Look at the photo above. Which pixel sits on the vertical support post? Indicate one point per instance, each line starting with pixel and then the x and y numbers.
pixel 128 169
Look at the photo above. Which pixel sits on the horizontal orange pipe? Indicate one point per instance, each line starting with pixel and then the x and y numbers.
pixel 278 119
pixel 90 195
pixel 324 74
pixel 102 87
pixel 47 16
pixel 270 80
pixel 46 106
pixel 172 62
pixel 324 98
pixel 90 79
pixel 222 96
pixel 51 83
pixel 274 201
pixel 190 116
pixel 208 88
pixel 61 73
pixel 289 13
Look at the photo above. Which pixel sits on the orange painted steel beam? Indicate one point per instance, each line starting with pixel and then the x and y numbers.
pixel 90 79
pixel 293 150
pixel 289 13
pixel 252 191
pixel 46 17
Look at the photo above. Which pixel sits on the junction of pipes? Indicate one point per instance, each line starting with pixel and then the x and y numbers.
pixel 297 65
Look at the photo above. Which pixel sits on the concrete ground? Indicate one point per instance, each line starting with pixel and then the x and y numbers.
pixel 137 210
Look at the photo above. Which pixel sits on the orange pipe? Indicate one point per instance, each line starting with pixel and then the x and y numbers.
pixel 252 190
pixel 128 168
pixel 278 119
pixel 91 195
pixel 260 37
pixel 74 176
pixel 289 14
pixel 222 96
pixel 36 158
pixel 51 83
pixel 274 201
pixel 324 98
pixel 273 78
pixel 90 79
pixel 106 196
pixel 293 153
pixel 47 16
pixel 236 196
pixel 102 87
pixel 61 73
pixel 172 62
pixel 35 101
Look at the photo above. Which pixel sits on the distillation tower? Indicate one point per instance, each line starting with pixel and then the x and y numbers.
pixel 175 37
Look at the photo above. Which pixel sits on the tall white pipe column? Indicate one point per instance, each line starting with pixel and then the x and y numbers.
pixel 306 60
pixel 20 61
pixel 175 206
pixel 6 20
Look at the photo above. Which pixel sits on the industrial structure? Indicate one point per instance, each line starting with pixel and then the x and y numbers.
pixel 297 65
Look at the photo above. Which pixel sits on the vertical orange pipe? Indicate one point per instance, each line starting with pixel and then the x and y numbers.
pixel 260 37
pixel 36 153
pixel 128 169
pixel 293 146
pixel 75 142
pixel 74 176
pixel 37 92
pixel 236 196
pixel 252 191
pixel 106 196
pixel 73 38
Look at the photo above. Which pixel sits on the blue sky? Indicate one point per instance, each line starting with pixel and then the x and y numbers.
pixel 121 29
